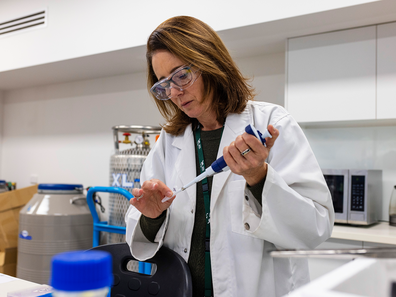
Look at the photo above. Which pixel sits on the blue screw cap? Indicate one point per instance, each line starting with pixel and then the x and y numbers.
pixel 81 271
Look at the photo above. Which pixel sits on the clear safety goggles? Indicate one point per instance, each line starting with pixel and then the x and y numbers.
pixel 181 79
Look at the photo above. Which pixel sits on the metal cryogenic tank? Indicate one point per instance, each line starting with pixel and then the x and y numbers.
pixel 55 220
pixel 125 167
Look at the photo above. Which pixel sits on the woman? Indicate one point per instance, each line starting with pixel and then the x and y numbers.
pixel 274 196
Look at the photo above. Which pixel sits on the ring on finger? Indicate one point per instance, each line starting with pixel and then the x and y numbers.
pixel 245 152
pixel 137 198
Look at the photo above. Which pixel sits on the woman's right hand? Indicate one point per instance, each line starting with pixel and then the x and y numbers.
pixel 152 192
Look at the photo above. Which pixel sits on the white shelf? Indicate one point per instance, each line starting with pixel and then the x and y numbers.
pixel 348 124
pixel 379 233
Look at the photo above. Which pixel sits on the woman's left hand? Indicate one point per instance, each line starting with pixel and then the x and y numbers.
pixel 252 165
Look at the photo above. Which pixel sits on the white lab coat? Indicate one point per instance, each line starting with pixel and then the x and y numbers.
pixel 296 211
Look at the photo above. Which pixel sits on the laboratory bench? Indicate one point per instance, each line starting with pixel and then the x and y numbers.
pixel 12 284
pixel 343 237
pixel 360 278
pixel 380 233
pixel 351 237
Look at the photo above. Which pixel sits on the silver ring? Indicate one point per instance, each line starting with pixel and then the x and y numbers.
pixel 245 152
pixel 137 198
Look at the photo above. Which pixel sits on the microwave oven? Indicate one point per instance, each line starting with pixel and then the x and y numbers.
pixel 356 194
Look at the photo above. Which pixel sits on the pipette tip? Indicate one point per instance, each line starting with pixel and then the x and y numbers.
pixel 167 198
pixel 173 195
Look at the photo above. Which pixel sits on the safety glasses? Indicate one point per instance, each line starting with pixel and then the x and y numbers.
pixel 181 79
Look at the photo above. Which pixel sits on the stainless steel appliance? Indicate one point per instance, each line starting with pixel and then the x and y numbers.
pixel 356 194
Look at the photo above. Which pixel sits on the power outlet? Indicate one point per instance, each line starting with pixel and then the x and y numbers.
pixel 34 179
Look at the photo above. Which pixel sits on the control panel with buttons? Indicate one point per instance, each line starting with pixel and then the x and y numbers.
pixel 357 192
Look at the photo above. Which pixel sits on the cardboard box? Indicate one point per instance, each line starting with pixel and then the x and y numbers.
pixel 8 261
pixel 16 198
pixel 10 204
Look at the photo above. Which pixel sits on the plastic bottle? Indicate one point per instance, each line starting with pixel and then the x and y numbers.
pixel 81 273
pixel 392 208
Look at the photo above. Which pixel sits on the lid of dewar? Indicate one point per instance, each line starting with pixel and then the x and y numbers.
pixel 81 271
pixel 60 187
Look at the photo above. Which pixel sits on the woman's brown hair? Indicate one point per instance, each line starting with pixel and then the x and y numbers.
pixel 196 43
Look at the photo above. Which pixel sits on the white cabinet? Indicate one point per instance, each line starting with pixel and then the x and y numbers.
pixel 343 76
pixel 331 76
pixel 386 71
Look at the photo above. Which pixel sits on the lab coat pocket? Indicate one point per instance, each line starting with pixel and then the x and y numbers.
pixel 235 194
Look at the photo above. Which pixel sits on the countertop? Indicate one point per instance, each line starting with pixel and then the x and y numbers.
pixel 12 284
pixel 380 232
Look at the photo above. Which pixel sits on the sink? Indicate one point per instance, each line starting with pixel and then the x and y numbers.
pixel 368 277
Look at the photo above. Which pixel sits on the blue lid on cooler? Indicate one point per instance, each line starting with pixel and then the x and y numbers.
pixel 2 181
pixel 60 187
pixel 81 270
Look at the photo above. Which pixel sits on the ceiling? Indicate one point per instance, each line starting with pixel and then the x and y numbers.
pixel 253 40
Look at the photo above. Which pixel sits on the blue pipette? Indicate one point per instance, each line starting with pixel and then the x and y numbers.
pixel 220 165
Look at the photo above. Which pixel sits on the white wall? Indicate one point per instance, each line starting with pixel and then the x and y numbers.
pixel 358 148
pixel 79 28
pixel 268 73
pixel 62 133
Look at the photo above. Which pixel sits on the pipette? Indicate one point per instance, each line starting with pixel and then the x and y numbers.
pixel 220 165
